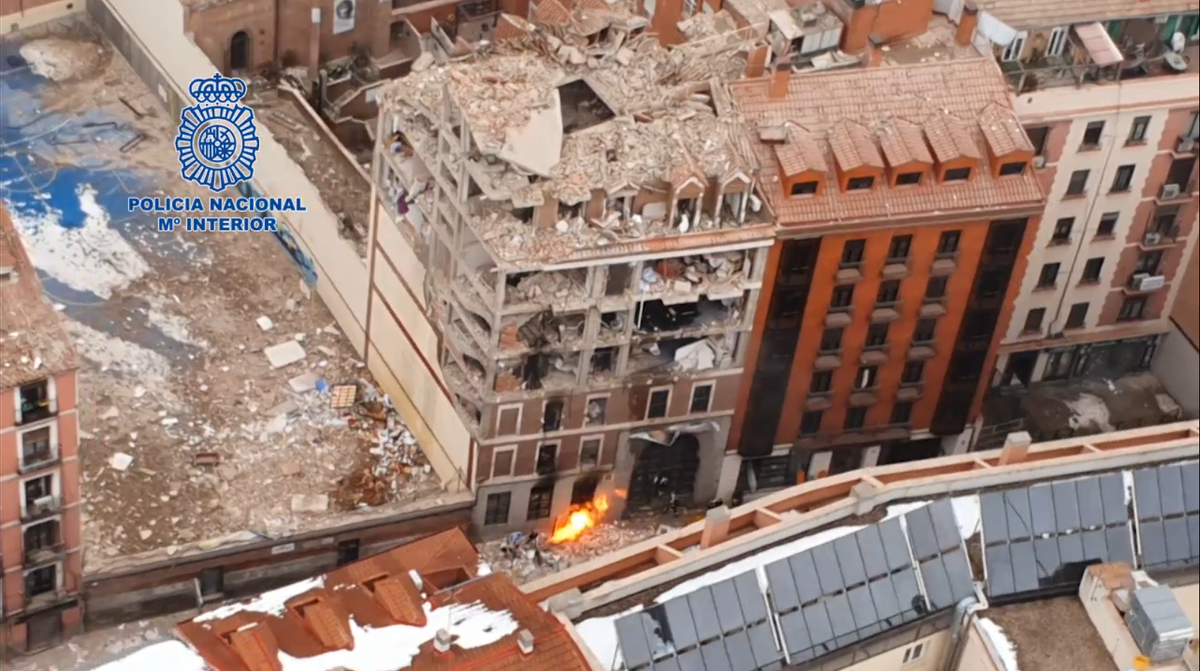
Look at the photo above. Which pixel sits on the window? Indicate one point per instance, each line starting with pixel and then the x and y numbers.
pixel 1137 130
pixel 496 510
pixel 509 420
pixel 948 243
pixel 908 179
pixel 935 290
pixel 659 402
pixel 1193 130
pixel 914 653
pixel 804 188
pixel 866 378
pixel 822 382
pixel 1133 308
pixel 502 463
pixel 898 250
pixel 552 414
pixel 831 340
pixel 1108 224
pixel 1003 239
pixel 860 183
pixel 1062 231
pixel 1077 316
pixel 1058 365
pixel 889 292
pixel 1009 169
pixel 852 252
pixel 901 413
pixel 1092 135
pixel 1123 179
pixel 1180 172
pixel 1049 276
pixel 1164 218
pixel 540 499
pixel 855 418
pixel 701 398
pixel 212 581
pixel 810 422
pixel 583 491
pixel 1057 44
pixel 589 452
pixel 1037 137
pixel 1015 49
pixel 913 373
pixel 597 409
pixel 843 295
pixel 877 335
pixel 1091 270
pixel 603 359
pixel 35 402
pixel 1149 262
pixel 1033 320
pixel 36 447
pixel 979 324
pixel 41 580
pixel 547 459
pixel 1078 183
pixel 956 175
pixel 924 330
pixel 348 551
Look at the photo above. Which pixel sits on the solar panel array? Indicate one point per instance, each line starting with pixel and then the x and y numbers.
pixel 720 627
pixel 1167 501
pixel 1045 536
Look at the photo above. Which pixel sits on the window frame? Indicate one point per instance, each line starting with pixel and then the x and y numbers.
pixel 957 174
pixel 1092 268
pixel 1048 275
pixel 711 388
pixel 1013 51
pixel 1123 178
pixel 598 439
pixel 899 248
pixel 1108 220
pixel 1098 127
pixel 520 408
pixel 853 252
pixel 666 404
pixel 907 376
pixel 1084 175
pixel 945 240
pixel 1075 319
pixel 506 497
pixel 1062 231
pixel 859 415
pixel 543 497
pixel 1138 128
pixel 874 341
pixel 917 331
pixel 807 419
pixel 1029 326
pixel 1126 314
pixel 824 375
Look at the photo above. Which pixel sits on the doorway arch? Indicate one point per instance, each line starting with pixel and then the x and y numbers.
pixel 239 51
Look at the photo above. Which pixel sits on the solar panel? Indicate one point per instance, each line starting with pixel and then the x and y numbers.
pixel 1041 503
pixel 750 597
pixel 820 632
pixel 737 647
pixel 937 584
pixel 631 638
pixel 729 613
pixel 1166 501
pixel 704 614
pixel 1066 506
pixel 870 546
pixel 828 571
pixel 1016 510
pixel 1145 487
pixel 795 636
pixel 887 607
pixel 995 520
pixel 998 560
pixel 920 531
pixel 782 586
pixel 850 559
pixel 841 619
pixel 804 570
pixel 1170 490
pixel 1112 495
pixel 862 607
pixel 715 658
pixel 1191 487
pixel 1091 510
pixel 679 620
pixel 945 525
pixel 762 644
pixel 894 545
pixel 669 664
pixel 958 569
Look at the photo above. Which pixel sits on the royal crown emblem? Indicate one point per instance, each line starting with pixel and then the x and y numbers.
pixel 217 140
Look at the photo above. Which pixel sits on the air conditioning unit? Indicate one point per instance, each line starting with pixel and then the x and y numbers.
pixel 1187 145
pixel 43 504
pixel 1152 238
pixel 1039 162
pixel 1147 282
pixel 1170 191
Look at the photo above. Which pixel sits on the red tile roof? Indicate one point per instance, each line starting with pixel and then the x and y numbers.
pixel 853 146
pixel 376 593
pixel 800 154
pixel 945 100
pixel 1002 131
pixel 903 142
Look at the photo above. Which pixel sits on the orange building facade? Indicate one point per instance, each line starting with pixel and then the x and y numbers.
pixel 904 206
pixel 40 542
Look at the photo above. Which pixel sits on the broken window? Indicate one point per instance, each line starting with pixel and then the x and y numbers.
pixel 584 491
pixel 581 107
pixel 659 402
pixel 524 214
pixel 547 459
pixel 735 203
pixel 348 551
pixel 655 316
pixel 612 325
pixel 685 208
pixel 589 457
pixel 41 536
pixel 597 408
pixel 38 488
pixel 701 398
pixel 41 580
pixel 617 282
pixel 569 211
pixel 604 359
pixel 620 204
pixel 540 498
pixel 212 581
pixel 35 402
pixel 552 415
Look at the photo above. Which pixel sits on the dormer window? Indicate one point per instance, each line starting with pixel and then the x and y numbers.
pixel 956 175
pixel 860 183
pixel 805 188
pixel 908 178
pixel 1014 168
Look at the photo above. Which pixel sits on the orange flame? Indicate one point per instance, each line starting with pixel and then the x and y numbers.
pixel 580 520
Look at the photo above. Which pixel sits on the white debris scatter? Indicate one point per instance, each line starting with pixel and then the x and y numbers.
pixel 284 354
pixel 1000 643
pixel 129 359
pixel 172 325
pixel 172 655
pixel 60 60
pixel 120 461
pixel 526 558
pixel 1089 412
pixel 264 322
pixel 92 258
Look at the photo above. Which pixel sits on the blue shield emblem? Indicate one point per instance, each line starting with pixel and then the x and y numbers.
pixel 217 140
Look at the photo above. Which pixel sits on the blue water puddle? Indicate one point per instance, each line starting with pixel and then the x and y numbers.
pixel 47 159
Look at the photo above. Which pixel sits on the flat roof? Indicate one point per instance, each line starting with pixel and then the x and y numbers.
pixel 1022 14
pixel 33 343
pixel 1040 630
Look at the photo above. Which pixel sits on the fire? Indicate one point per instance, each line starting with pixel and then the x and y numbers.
pixel 580 520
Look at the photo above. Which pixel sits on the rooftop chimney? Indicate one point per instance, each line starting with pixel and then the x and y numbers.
pixel 1016 448
pixel 525 642
pixel 441 641
pixel 781 74
pixel 967 24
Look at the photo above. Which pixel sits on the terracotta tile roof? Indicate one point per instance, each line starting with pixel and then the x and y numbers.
pixel 33 343
pixel 1003 131
pixel 800 154
pixel 551 12
pixel 853 146
pixel 331 618
pixel 927 95
pixel 1022 14
pixel 509 27
pixel 903 142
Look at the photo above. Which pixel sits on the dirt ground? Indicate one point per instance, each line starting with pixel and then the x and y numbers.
pixel 173 359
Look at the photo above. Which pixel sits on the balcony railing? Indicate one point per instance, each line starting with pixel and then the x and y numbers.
pixel 36 412
pixel 42 554
pixel 42 507
pixel 38 459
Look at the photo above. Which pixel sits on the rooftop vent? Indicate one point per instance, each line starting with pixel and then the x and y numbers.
pixel 1158 624
pixel 441 641
pixel 525 642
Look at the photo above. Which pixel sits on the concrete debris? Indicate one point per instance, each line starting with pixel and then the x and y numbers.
pixel 528 557
pixel 310 503
pixel 284 354
pixel 111 413
pixel 699 355
pixel 304 383
pixel 265 323
pixel 120 461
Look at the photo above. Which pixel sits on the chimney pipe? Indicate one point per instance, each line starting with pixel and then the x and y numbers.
pixel 781 74
pixel 967 24
pixel 441 641
pixel 1016 448
pixel 525 642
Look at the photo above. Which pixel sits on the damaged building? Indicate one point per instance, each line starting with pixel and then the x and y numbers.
pixel 591 253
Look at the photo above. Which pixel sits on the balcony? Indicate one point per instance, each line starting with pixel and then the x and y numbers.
pixel 44 554
pixel 874 356
pixel 910 392
pixel 36 410
pixel 1175 194
pixel 1137 52
pixel 36 460
pixel 1144 283
pixel 40 508
pixel 1159 239
pixel 895 269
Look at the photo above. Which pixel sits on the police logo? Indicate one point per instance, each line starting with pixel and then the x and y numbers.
pixel 217 141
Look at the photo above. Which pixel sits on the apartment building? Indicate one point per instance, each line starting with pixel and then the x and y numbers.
pixel 1178 356
pixel 580 223
pixel 1108 96
pixel 903 195
pixel 40 544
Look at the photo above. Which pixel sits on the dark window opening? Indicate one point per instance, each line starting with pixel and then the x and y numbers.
pixel 810 422
pixel 1132 308
pixel 38 488
pixel 855 418
pixel 991 283
pixel 1164 220
pixel 914 372
pixel 1037 137
pixel 935 289
pixel 540 498
pixel 1108 224
pixel 889 292
pixel 552 416
pixel 1091 270
pixel 584 491
pixel 877 335
pixel 948 243
pixel 41 580
pixel 35 402
pixel 1077 316
pixel 899 249
pixel 901 413
pixel 1149 262
pixel 1123 180
pixel 701 398
pixel 348 551
pixel 1180 172
pixel 604 359
pixel 547 459
pixel 804 188
pixel 965 366
pixel 659 400
pixel 796 263
pixel 843 296
pixel 822 382
pixel 1009 169
pixel 1033 320
pixel 956 175
pixel 41 536
pixel 1048 277
pixel 867 377
pixel 831 340
pixel 1078 183
pixel 1092 134
pixel 35 446
pixel 1062 230
pixel 1004 239
pixel 852 252
pixel 496 510
pixel 908 178
pixel 524 214
pixel 1137 130
pixel 581 107
pixel 597 408
pixel 860 183
pixel 239 51
pixel 569 211
pixel 979 325
pixel 617 282
pixel 924 330
pixel 212 581
pixel 589 453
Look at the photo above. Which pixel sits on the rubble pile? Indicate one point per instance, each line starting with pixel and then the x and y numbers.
pixel 396 461
pixel 528 557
